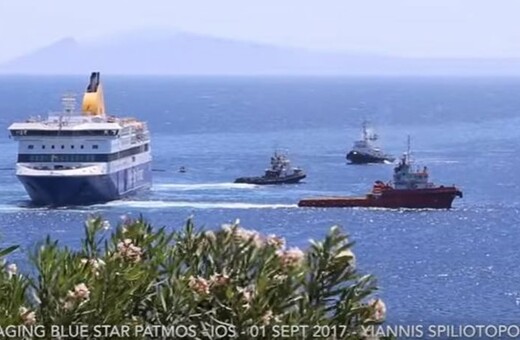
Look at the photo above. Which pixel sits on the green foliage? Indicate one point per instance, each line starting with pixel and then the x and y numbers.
pixel 137 275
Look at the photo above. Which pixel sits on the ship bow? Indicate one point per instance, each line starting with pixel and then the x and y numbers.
pixel 77 190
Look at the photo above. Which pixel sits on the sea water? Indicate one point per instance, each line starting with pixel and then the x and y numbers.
pixel 432 266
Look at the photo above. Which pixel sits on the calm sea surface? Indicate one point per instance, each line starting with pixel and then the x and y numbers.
pixel 433 266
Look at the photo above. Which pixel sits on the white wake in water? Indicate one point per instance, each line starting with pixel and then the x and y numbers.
pixel 8 208
pixel 441 161
pixel 197 205
pixel 202 186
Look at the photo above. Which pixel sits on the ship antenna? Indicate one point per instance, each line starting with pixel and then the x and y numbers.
pixel 69 103
pixel 365 133
pixel 68 100
pixel 408 152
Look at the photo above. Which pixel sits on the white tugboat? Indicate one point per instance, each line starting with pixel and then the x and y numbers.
pixel 365 151
pixel 82 157
pixel 280 172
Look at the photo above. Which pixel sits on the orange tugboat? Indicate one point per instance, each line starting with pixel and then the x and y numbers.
pixel 410 189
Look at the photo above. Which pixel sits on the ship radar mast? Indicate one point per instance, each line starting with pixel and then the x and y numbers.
pixel 68 101
pixel 368 134
pixel 93 101
pixel 408 149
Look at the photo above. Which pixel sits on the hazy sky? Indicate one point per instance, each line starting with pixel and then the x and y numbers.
pixel 425 28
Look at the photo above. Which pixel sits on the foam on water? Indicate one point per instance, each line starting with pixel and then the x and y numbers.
pixel 196 205
pixel 25 207
pixel 202 186
pixel 15 208
pixel 432 160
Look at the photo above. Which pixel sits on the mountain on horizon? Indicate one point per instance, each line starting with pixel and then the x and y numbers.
pixel 182 53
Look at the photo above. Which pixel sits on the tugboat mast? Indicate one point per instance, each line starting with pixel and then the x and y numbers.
pixel 408 150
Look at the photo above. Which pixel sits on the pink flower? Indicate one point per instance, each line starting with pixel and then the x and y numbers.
pixel 127 250
pixel 275 241
pixel 248 294
pixel 278 278
pixel 378 309
pixel 210 235
pixel 199 285
pixel 95 264
pixel 11 270
pixel 28 317
pixel 81 292
pixel 267 317
pixel 245 235
pixel 105 224
pixel 291 258
pixel 218 280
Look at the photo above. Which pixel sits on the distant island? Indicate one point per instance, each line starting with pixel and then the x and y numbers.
pixel 182 53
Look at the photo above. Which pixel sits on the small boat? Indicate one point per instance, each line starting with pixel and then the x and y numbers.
pixel 365 151
pixel 182 169
pixel 280 172
pixel 410 189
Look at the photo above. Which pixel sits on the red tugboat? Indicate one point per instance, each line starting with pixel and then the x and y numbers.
pixel 410 189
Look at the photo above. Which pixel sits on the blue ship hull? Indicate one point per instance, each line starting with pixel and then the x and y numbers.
pixel 84 190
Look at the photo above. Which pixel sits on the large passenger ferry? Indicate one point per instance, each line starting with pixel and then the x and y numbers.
pixel 83 156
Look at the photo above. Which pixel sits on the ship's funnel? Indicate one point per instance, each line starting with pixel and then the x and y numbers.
pixel 93 102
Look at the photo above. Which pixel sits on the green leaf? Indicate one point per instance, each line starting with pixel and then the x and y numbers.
pixel 8 250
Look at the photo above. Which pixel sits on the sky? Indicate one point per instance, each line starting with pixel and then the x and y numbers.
pixel 406 28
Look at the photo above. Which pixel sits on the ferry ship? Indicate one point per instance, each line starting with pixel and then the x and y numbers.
pixel 78 157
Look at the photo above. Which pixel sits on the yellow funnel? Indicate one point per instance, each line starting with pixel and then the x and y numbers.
pixel 93 102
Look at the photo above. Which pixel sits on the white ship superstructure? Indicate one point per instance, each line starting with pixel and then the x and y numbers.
pixel 82 156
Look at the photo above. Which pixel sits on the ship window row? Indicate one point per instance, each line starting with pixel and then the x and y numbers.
pixel 81 158
pixel 64 133
pixel 57 158
pixel 31 146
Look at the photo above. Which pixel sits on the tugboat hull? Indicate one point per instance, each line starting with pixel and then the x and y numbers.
pixel 355 157
pixel 291 179
pixel 432 198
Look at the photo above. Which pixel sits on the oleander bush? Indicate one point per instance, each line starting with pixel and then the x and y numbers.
pixel 134 274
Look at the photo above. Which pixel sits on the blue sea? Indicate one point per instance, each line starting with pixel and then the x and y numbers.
pixel 458 266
